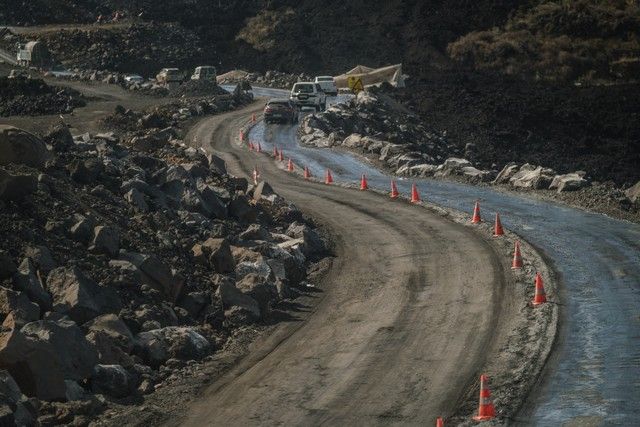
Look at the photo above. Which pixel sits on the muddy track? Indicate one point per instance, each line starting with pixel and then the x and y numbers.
pixel 406 318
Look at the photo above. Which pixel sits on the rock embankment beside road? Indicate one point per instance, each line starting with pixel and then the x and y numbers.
pixel 126 258
pixel 376 127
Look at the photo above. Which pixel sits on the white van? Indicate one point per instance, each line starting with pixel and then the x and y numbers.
pixel 327 84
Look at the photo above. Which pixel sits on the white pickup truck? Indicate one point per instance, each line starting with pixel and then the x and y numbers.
pixel 308 94
pixel 327 84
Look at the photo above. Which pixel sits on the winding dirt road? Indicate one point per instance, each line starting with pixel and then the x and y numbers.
pixel 405 321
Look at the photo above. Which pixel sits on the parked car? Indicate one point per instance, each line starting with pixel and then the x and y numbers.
pixel 281 110
pixel 204 72
pixel 134 78
pixel 169 75
pixel 327 84
pixel 305 94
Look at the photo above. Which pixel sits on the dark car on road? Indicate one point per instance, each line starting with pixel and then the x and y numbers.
pixel 281 111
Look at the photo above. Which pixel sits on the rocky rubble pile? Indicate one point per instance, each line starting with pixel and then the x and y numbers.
pixel 167 117
pixel 371 124
pixel 32 97
pixel 142 48
pixel 122 263
pixel 271 78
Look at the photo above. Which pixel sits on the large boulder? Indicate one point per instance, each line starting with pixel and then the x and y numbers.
pixel 533 177
pixel 255 232
pixel 215 253
pixel 258 288
pixel 231 296
pixel 157 346
pixel 135 198
pixel 77 357
pixel 506 173
pixel 157 274
pixel 79 297
pixel 452 166
pixel 32 362
pixel 216 164
pixel 28 281
pixel 568 182
pixel 112 380
pixel 15 187
pixel 241 209
pixel 106 240
pixel 59 137
pixel 21 147
pixel 633 193
pixel 212 203
pixel 41 258
pixel 312 243
pixel 85 171
pixel 82 228
pixel 24 311
pixel 263 189
pixel 113 327
pixel 108 349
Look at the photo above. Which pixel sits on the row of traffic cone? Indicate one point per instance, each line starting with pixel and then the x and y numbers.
pixel 498 230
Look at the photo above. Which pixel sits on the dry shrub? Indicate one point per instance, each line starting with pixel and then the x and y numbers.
pixel 558 40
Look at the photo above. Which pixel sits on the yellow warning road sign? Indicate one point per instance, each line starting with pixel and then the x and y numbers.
pixel 355 84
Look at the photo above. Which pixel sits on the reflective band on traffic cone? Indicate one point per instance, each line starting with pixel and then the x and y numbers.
pixel 415 197
pixel 476 214
pixel 486 411
pixel 363 183
pixel 258 148
pixel 307 174
pixel 256 175
pixel 540 296
pixel 280 156
pixel 290 166
pixel 328 179
pixel 439 422
pixel 275 152
pixel 394 190
pixel 497 228
pixel 517 257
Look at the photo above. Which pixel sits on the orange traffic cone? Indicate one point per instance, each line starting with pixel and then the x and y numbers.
pixel 497 228
pixel 290 166
pixel 363 183
pixel 540 296
pixel 517 257
pixel 258 148
pixel 328 179
pixel 415 197
pixel 307 174
pixel 281 156
pixel 439 422
pixel 253 118
pixel 486 411
pixel 256 175
pixel 476 214
pixel 241 135
pixel 394 190
pixel 275 152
